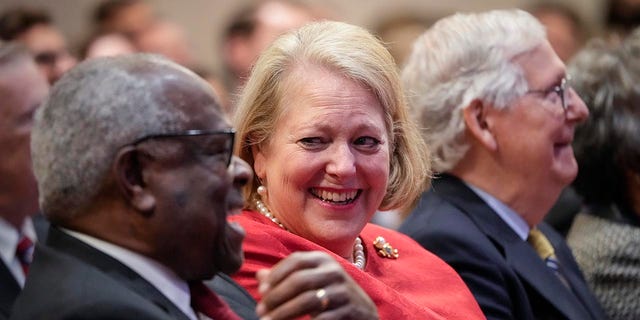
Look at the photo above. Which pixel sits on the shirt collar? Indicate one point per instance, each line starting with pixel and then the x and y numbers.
pixel 161 277
pixel 10 236
pixel 510 217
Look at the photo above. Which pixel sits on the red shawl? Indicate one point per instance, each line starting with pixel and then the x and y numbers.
pixel 417 285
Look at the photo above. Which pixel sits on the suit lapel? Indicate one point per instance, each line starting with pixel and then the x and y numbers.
pixel 41 225
pixel 112 268
pixel 9 292
pixel 573 274
pixel 536 274
pixel 519 254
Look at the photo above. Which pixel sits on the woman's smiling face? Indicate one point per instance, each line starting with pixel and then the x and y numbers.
pixel 326 166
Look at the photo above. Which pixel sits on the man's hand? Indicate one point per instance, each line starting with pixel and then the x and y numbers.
pixel 311 283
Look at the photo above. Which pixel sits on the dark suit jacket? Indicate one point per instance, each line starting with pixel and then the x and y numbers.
pixel 235 296
pixel 9 287
pixel 504 273
pixel 72 280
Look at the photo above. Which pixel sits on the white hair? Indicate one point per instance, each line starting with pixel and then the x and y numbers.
pixel 93 110
pixel 462 58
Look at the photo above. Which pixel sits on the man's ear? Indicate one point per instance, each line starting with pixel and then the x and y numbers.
pixel 259 162
pixel 128 169
pixel 478 123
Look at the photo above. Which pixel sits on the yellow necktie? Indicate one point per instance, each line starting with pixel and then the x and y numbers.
pixel 541 244
pixel 545 250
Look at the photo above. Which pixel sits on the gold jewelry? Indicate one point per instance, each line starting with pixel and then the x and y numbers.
pixel 321 294
pixel 385 249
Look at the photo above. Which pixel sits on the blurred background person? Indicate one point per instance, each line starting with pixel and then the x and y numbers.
pixel 130 18
pixel 168 39
pixel 253 28
pixel 495 105
pixel 106 45
pixel 323 122
pixel 217 83
pixel 399 32
pixel 605 236
pixel 35 29
pixel 145 31
pixel 622 16
pixel 22 90
pixel 565 31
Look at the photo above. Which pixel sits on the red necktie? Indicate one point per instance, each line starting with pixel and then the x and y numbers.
pixel 24 253
pixel 205 301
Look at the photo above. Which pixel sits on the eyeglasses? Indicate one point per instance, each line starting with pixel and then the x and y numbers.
pixel 213 146
pixel 561 90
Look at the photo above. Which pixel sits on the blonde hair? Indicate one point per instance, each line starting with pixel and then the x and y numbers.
pixel 354 53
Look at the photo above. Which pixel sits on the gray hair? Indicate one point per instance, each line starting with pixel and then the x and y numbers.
pixel 607 145
pixel 462 58
pixel 92 111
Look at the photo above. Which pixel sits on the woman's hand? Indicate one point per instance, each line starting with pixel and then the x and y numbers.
pixel 311 283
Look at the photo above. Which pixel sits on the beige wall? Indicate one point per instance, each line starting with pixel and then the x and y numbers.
pixel 205 19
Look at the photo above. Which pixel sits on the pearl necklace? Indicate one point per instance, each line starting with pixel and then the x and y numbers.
pixel 358 249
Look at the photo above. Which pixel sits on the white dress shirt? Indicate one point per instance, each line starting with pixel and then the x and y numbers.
pixel 161 277
pixel 9 238
pixel 510 217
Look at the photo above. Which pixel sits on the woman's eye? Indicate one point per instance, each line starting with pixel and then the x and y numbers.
pixel 368 142
pixel 311 142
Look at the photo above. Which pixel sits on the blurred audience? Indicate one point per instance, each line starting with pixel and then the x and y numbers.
pixel 565 31
pixel 605 237
pixel 124 26
pixel 22 88
pixel 399 32
pixel 499 113
pixel 622 16
pixel 169 40
pixel 130 18
pixel 35 29
pixel 253 28
pixel 218 86
pixel 116 150
pixel 323 122
pixel 107 45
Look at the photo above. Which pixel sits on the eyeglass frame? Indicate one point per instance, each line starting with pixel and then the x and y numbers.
pixel 562 90
pixel 190 133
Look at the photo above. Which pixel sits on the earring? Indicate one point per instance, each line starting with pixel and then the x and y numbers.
pixel 262 191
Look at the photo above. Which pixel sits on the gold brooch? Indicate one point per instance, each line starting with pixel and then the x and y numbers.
pixel 385 249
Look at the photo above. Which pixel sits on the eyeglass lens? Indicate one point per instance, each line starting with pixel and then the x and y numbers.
pixel 213 149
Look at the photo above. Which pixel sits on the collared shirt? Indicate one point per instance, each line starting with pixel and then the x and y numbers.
pixel 9 238
pixel 161 277
pixel 510 217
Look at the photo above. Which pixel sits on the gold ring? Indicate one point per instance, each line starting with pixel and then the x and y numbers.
pixel 321 294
